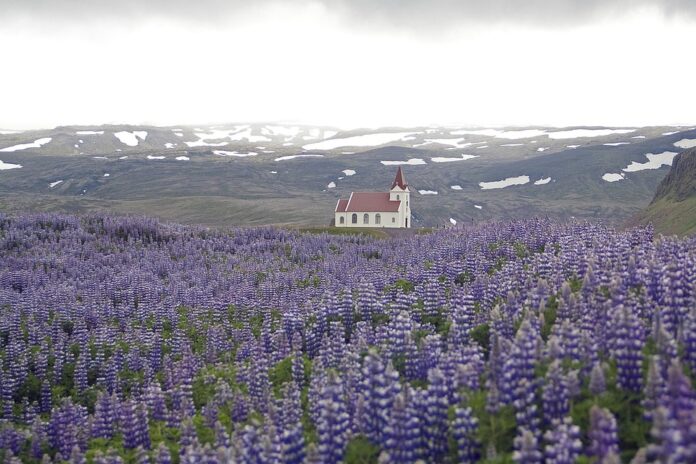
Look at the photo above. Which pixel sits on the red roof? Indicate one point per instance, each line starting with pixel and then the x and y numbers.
pixel 341 206
pixel 400 179
pixel 368 202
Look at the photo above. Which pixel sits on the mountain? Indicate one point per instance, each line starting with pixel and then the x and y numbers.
pixel 276 173
pixel 673 210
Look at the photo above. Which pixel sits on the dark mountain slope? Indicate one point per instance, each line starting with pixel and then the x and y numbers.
pixel 673 210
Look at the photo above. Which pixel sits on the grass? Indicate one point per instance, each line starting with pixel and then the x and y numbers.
pixel 331 230
pixel 671 217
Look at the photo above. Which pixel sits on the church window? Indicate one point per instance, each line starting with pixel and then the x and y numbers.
pixel 397 197
pixel 378 218
pixel 354 219
pixel 366 218
pixel 343 220
pixel 393 220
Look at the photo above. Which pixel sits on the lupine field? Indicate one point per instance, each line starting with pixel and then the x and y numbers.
pixel 127 340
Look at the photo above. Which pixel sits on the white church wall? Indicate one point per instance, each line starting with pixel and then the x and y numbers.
pixel 387 220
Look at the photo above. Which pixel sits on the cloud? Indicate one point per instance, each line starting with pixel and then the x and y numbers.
pixel 419 14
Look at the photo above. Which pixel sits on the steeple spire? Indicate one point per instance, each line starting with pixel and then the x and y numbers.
pixel 400 179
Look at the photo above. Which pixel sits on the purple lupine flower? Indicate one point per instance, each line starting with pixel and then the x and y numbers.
pixel 555 394
pixel 367 300
pixel 333 421
pixel 602 433
pixel 526 448
pixel 521 361
pixel 526 410
pixel 654 388
pixel 563 444
pixel 436 420
pixel 689 338
pixel 597 381
pixel 163 456
pixel 628 349
pixel 402 442
pixel 379 386
pixel 103 419
pixel 128 422
pixel 464 429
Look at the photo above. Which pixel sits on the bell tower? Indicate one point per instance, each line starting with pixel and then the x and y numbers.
pixel 400 192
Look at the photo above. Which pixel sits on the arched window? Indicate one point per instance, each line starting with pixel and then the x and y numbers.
pixel 397 197
pixel 378 219
pixel 393 220
pixel 354 218
pixel 366 218
pixel 343 220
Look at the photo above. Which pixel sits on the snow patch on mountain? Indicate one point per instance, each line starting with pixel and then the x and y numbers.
pixel 290 157
pixel 410 162
pixel 24 146
pixel 685 143
pixel 507 182
pixel 6 166
pixel 368 140
pixel 234 153
pixel 444 159
pixel 130 138
pixel 613 177
pixel 655 161
pixel 578 133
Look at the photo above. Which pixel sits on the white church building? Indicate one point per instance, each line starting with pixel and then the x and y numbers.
pixel 377 209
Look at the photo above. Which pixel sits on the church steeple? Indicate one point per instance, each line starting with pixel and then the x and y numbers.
pixel 400 180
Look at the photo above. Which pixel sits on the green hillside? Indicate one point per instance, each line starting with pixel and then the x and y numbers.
pixel 673 210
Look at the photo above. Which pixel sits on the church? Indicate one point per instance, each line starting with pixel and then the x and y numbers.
pixel 377 209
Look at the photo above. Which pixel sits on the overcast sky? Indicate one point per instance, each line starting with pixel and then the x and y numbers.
pixel 348 63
